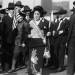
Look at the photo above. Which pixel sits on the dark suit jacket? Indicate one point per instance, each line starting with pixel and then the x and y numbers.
pixel 72 23
pixel 64 26
pixel 44 25
pixel 7 33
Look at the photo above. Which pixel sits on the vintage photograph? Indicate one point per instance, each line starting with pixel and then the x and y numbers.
pixel 37 37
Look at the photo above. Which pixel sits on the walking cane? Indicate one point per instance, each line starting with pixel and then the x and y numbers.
pixel 48 41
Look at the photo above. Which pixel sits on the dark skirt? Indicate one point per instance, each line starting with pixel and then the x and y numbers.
pixel 36 58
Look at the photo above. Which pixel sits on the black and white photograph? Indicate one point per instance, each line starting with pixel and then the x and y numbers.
pixel 37 37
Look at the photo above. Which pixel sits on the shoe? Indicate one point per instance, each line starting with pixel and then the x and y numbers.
pixel 30 74
pixel 12 70
pixel 53 67
pixel 60 69
pixel 21 67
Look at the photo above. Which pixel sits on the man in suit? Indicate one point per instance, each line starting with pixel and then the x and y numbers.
pixel 71 44
pixel 7 37
pixel 62 32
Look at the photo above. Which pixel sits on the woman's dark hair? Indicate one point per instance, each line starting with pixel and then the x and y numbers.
pixel 40 10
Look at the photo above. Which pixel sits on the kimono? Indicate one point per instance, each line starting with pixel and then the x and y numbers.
pixel 37 45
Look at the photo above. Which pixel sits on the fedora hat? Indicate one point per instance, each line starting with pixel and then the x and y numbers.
pixel 25 9
pixel 3 11
pixel 10 6
pixel 19 4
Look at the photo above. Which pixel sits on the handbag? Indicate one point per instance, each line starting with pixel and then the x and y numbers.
pixel 46 53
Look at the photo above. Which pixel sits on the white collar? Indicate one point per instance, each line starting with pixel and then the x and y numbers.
pixel 37 22
pixel 10 15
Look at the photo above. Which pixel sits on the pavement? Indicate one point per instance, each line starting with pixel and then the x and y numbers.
pixel 46 72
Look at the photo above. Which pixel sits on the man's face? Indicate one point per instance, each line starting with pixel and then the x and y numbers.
pixel 17 9
pixel 11 12
pixel 27 15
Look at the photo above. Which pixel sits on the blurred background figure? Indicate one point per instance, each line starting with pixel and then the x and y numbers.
pixel 71 43
pixel 18 6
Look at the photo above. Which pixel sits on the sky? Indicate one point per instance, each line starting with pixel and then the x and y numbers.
pixel 70 2
pixel 32 3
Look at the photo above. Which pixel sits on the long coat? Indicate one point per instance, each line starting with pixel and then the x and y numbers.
pixel 8 36
pixel 7 32
pixel 71 45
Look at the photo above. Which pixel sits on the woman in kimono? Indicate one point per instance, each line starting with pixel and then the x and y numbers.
pixel 39 31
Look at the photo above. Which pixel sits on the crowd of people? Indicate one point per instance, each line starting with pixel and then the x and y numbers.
pixel 29 40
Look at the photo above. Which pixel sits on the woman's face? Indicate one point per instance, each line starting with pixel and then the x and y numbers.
pixel 36 15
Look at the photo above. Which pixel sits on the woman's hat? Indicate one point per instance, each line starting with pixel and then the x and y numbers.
pixel 10 6
pixel 40 9
pixel 19 4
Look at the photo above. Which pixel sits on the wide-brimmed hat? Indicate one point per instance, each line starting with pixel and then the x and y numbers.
pixel 60 12
pixel 10 6
pixel 40 9
pixel 3 11
pixel 19 4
